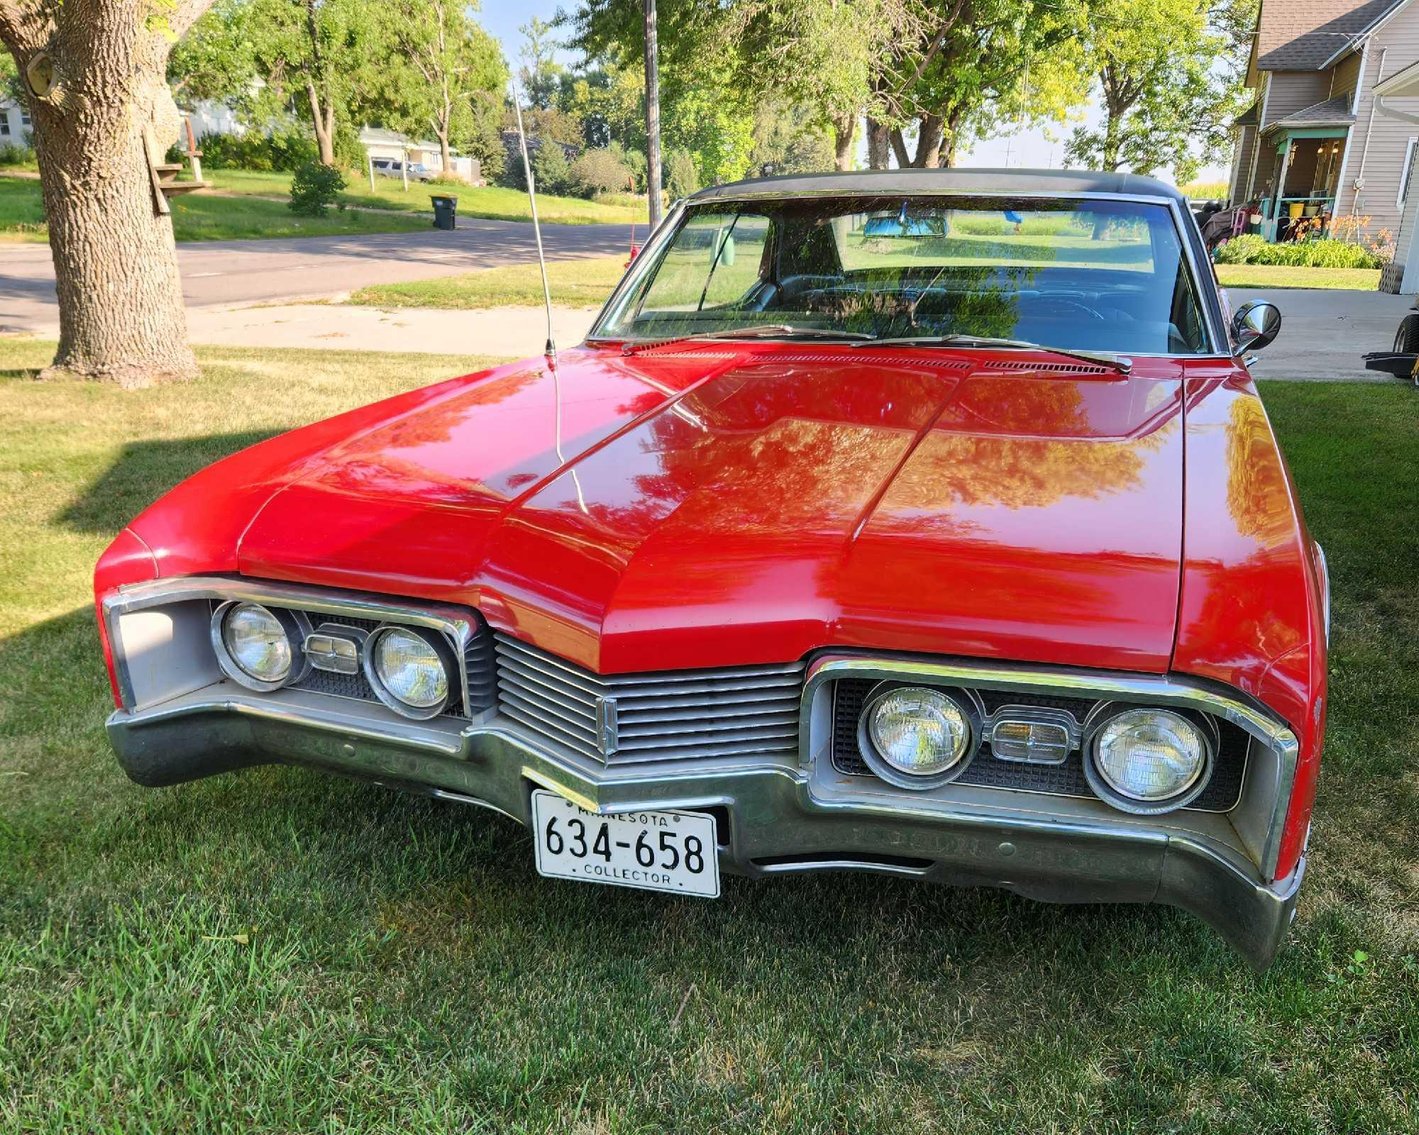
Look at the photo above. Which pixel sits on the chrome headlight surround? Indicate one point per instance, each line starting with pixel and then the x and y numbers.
pixel 296 627
pixel 962 700
pixel 1108 712
pixel 441 650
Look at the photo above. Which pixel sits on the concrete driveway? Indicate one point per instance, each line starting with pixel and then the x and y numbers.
pixel 1324 332
pixel 228 273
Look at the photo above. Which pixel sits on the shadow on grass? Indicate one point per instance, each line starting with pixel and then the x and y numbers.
pixel 144 471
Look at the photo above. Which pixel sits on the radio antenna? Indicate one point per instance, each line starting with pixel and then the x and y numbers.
pixel 551 349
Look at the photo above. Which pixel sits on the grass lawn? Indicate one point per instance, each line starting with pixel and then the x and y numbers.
pixel 281 951
pixel 1284 276
pixel 574 283
pixel 202 216
pixel 490 201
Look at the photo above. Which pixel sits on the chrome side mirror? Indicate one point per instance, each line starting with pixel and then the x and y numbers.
pixel 1255 325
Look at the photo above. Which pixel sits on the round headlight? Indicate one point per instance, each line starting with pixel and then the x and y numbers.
pixel 1148 760
pixel 408 671
pixel 254 645
pixel 914 737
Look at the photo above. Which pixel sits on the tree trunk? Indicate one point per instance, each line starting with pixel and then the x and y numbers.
pixel 952 134
pixel 121 316
pixel 878 144
pixel 323 118
pixel 899 147
pixel 844 131
pixel 445 153
pixel 928 141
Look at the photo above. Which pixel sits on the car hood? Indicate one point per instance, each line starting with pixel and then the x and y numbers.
pixel 708 505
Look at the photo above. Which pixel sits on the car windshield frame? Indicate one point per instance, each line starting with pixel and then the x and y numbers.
pixel 1199 280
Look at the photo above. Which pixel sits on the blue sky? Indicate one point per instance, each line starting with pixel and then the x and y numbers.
pixel 1031 148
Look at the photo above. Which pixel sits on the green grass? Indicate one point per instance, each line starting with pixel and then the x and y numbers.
pixel 1284 276
pixel 281 951
pixel 573 283
pixel 493 202
pixel 203 216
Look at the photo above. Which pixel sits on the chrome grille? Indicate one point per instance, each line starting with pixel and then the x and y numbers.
pixel 663 716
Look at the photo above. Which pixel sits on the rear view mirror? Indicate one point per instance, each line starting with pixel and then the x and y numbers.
pixel 1255 325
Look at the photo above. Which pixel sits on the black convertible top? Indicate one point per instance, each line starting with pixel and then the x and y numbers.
pixel 893 181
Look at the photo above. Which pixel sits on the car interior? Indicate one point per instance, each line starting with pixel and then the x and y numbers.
pixel 800 278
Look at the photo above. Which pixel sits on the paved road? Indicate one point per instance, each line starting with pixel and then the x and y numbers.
pixel 1324 333
pixel 220 273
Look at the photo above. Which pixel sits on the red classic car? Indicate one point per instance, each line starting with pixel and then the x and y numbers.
pixel 925 523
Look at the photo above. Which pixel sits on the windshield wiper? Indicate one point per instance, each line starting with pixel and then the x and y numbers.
pixel 1120 363
pixel 752 331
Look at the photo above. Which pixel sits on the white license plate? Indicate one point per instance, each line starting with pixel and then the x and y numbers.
pixel 655 851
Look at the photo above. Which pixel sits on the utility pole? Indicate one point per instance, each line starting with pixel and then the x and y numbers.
pixel 652 115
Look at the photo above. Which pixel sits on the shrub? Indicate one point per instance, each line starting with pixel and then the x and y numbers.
pixel 681 176
pixel 16 154
pixel 314 188
pixel 599 171
pixel 260 152
pixel 1323 252
pixel 551 170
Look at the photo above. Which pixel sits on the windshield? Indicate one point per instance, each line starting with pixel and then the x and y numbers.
pixel 1101 275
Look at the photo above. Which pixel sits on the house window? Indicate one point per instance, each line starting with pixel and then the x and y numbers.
pixel 24 118
pixel 1404 171
pixel 4 123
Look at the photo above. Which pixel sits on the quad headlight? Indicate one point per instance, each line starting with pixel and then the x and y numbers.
pixel 916 737
pixel 410 670
pixel 1148 760
pixel 256 646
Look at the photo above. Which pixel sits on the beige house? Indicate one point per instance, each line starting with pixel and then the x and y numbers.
pixel 1316 143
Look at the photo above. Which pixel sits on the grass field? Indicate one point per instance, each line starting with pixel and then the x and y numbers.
pixel 1284 276
pixel 240 210
pixel 573 283
pixel 202 216
pixel 280 951
pixel 490 201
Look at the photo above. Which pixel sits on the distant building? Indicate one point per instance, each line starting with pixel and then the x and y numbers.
pixel 14 124
pixel 381 143
pixel 1317 142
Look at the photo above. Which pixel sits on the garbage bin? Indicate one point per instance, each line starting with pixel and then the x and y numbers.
pixel 445 211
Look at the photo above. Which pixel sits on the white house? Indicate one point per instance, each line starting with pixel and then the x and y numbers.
pixel 380 143
pixel 14 124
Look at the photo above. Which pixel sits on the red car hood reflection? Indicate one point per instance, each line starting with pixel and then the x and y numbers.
pixel 716 505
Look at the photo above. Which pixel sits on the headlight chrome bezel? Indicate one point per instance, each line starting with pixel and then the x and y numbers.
pixel 964 700
pixel 1106 713
pixel 296 626
pixel 438 644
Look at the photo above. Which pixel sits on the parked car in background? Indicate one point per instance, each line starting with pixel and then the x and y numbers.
pixel 392 167
pixel 925 523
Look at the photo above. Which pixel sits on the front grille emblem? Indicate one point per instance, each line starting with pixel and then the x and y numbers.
pixel 334 649
pixel 606 726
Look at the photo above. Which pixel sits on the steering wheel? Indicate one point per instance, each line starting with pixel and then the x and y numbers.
pixel 1065 306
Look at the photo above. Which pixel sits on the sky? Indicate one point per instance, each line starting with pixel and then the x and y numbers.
pixel 1027 148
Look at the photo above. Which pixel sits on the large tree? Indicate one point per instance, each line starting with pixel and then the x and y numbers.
pixel 971 60
pixel 444 68
pixel 94 80
pixel 320 61
pixel 1169 82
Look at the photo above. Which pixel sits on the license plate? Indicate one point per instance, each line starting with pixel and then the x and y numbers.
pixel 655 851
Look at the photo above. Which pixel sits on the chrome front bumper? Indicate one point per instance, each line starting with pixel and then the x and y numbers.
pixel 776 815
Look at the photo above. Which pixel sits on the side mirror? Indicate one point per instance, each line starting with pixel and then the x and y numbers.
pixel 1255 325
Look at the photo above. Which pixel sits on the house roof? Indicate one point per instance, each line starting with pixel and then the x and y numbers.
pixel 1309 35
pixel 982 181
pixel 1331 112
pixel 1404 83
pixel 378 136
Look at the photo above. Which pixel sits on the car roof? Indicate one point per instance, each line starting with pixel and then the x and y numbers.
pixel 1065 182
